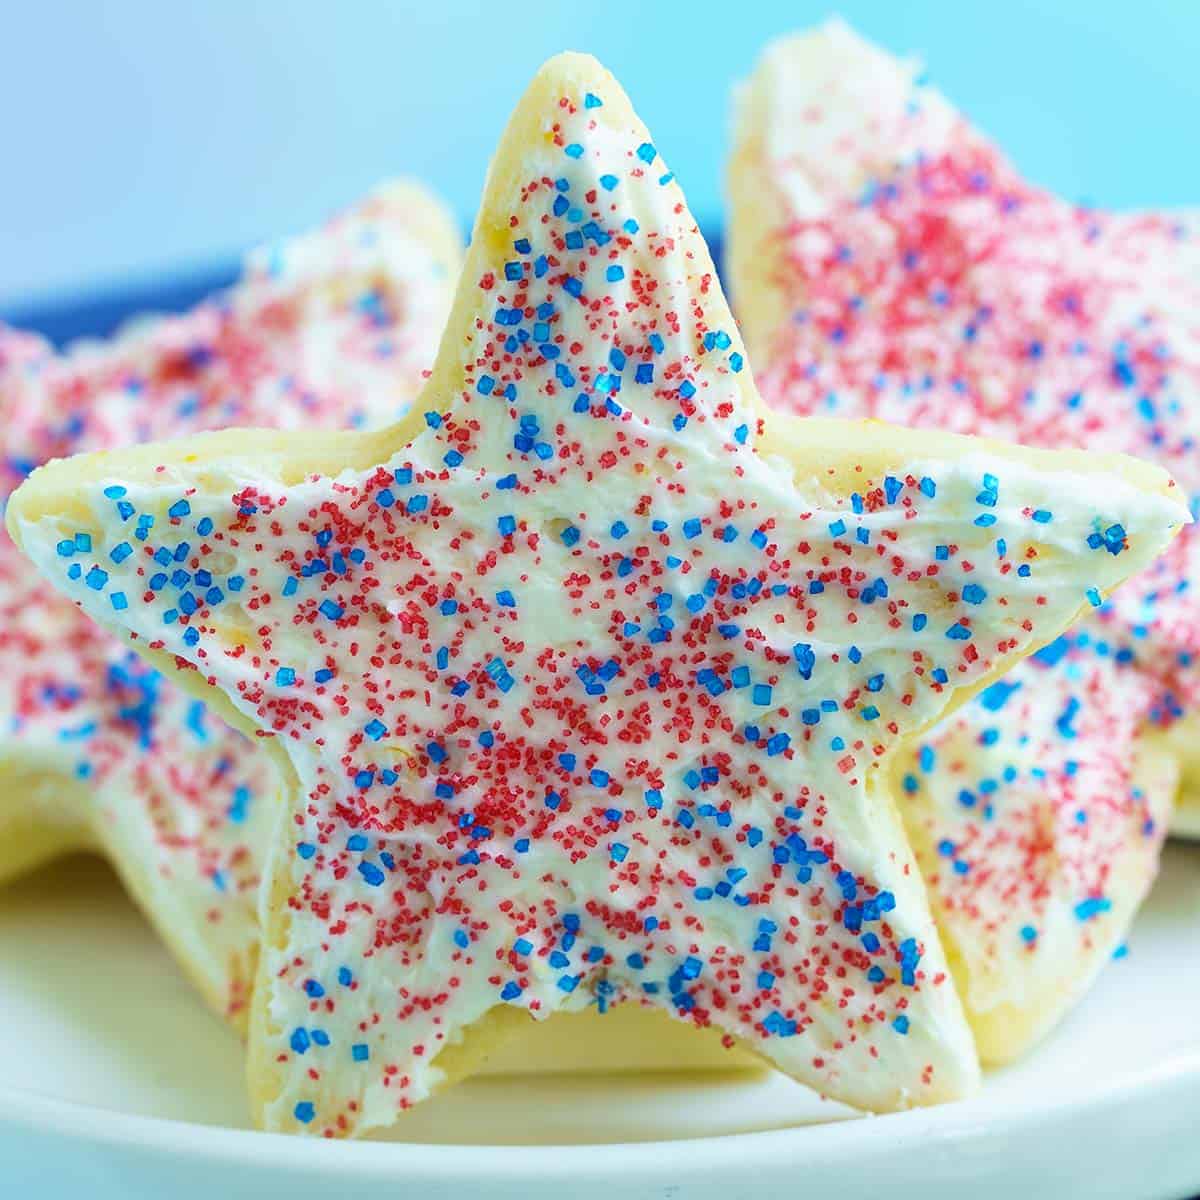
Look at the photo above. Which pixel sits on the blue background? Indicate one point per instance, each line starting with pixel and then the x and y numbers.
pixel 144 139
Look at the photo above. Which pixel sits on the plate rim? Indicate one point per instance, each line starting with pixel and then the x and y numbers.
pixel 951 1126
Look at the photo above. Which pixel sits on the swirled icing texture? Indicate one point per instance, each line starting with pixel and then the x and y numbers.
pixel 328 329
pixel 888 261
pixel 584 691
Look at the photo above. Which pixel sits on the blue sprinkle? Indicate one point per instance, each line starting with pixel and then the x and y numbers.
pixel 371 873
pixel 1092 907
pixel 805 659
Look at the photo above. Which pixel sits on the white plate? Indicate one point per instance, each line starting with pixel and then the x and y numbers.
pixel 114 1082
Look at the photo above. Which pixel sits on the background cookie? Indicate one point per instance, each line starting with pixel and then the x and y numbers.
pixel 887 261
pixel 97 750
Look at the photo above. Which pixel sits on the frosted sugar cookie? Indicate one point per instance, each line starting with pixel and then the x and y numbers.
pixel 97 750
pixel 889 262
pixel 584 676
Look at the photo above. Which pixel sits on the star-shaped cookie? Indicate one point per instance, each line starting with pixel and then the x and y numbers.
pixel 584 676
pixel 97 750
pixel 888 262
